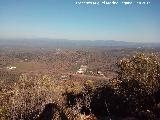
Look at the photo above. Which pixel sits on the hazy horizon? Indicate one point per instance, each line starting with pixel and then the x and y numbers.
pixel 75 41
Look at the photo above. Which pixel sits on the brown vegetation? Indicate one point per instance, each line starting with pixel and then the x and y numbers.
pixel 131 93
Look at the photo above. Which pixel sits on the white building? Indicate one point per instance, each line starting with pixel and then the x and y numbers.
pixel 100 73
pixel 82 69
pixel 11 68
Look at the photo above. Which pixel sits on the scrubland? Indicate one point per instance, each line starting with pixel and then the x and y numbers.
pixel 46 86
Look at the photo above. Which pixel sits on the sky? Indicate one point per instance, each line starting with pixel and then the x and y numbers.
pixel 64 19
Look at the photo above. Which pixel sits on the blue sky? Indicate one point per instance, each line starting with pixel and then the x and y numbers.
pixel 64 19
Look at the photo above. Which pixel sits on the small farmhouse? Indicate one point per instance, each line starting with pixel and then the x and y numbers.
pixel 11 68
pixel 82 69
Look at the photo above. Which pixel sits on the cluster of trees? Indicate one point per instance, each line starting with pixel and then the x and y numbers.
pixel 135 93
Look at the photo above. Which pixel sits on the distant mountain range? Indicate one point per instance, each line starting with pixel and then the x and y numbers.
pixel 71 43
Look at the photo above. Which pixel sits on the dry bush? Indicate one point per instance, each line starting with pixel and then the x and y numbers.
pixel 5 113
pixel 5 105
pixel 140 80
pixel 78 98
pixel 31 94
pixel 142 68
